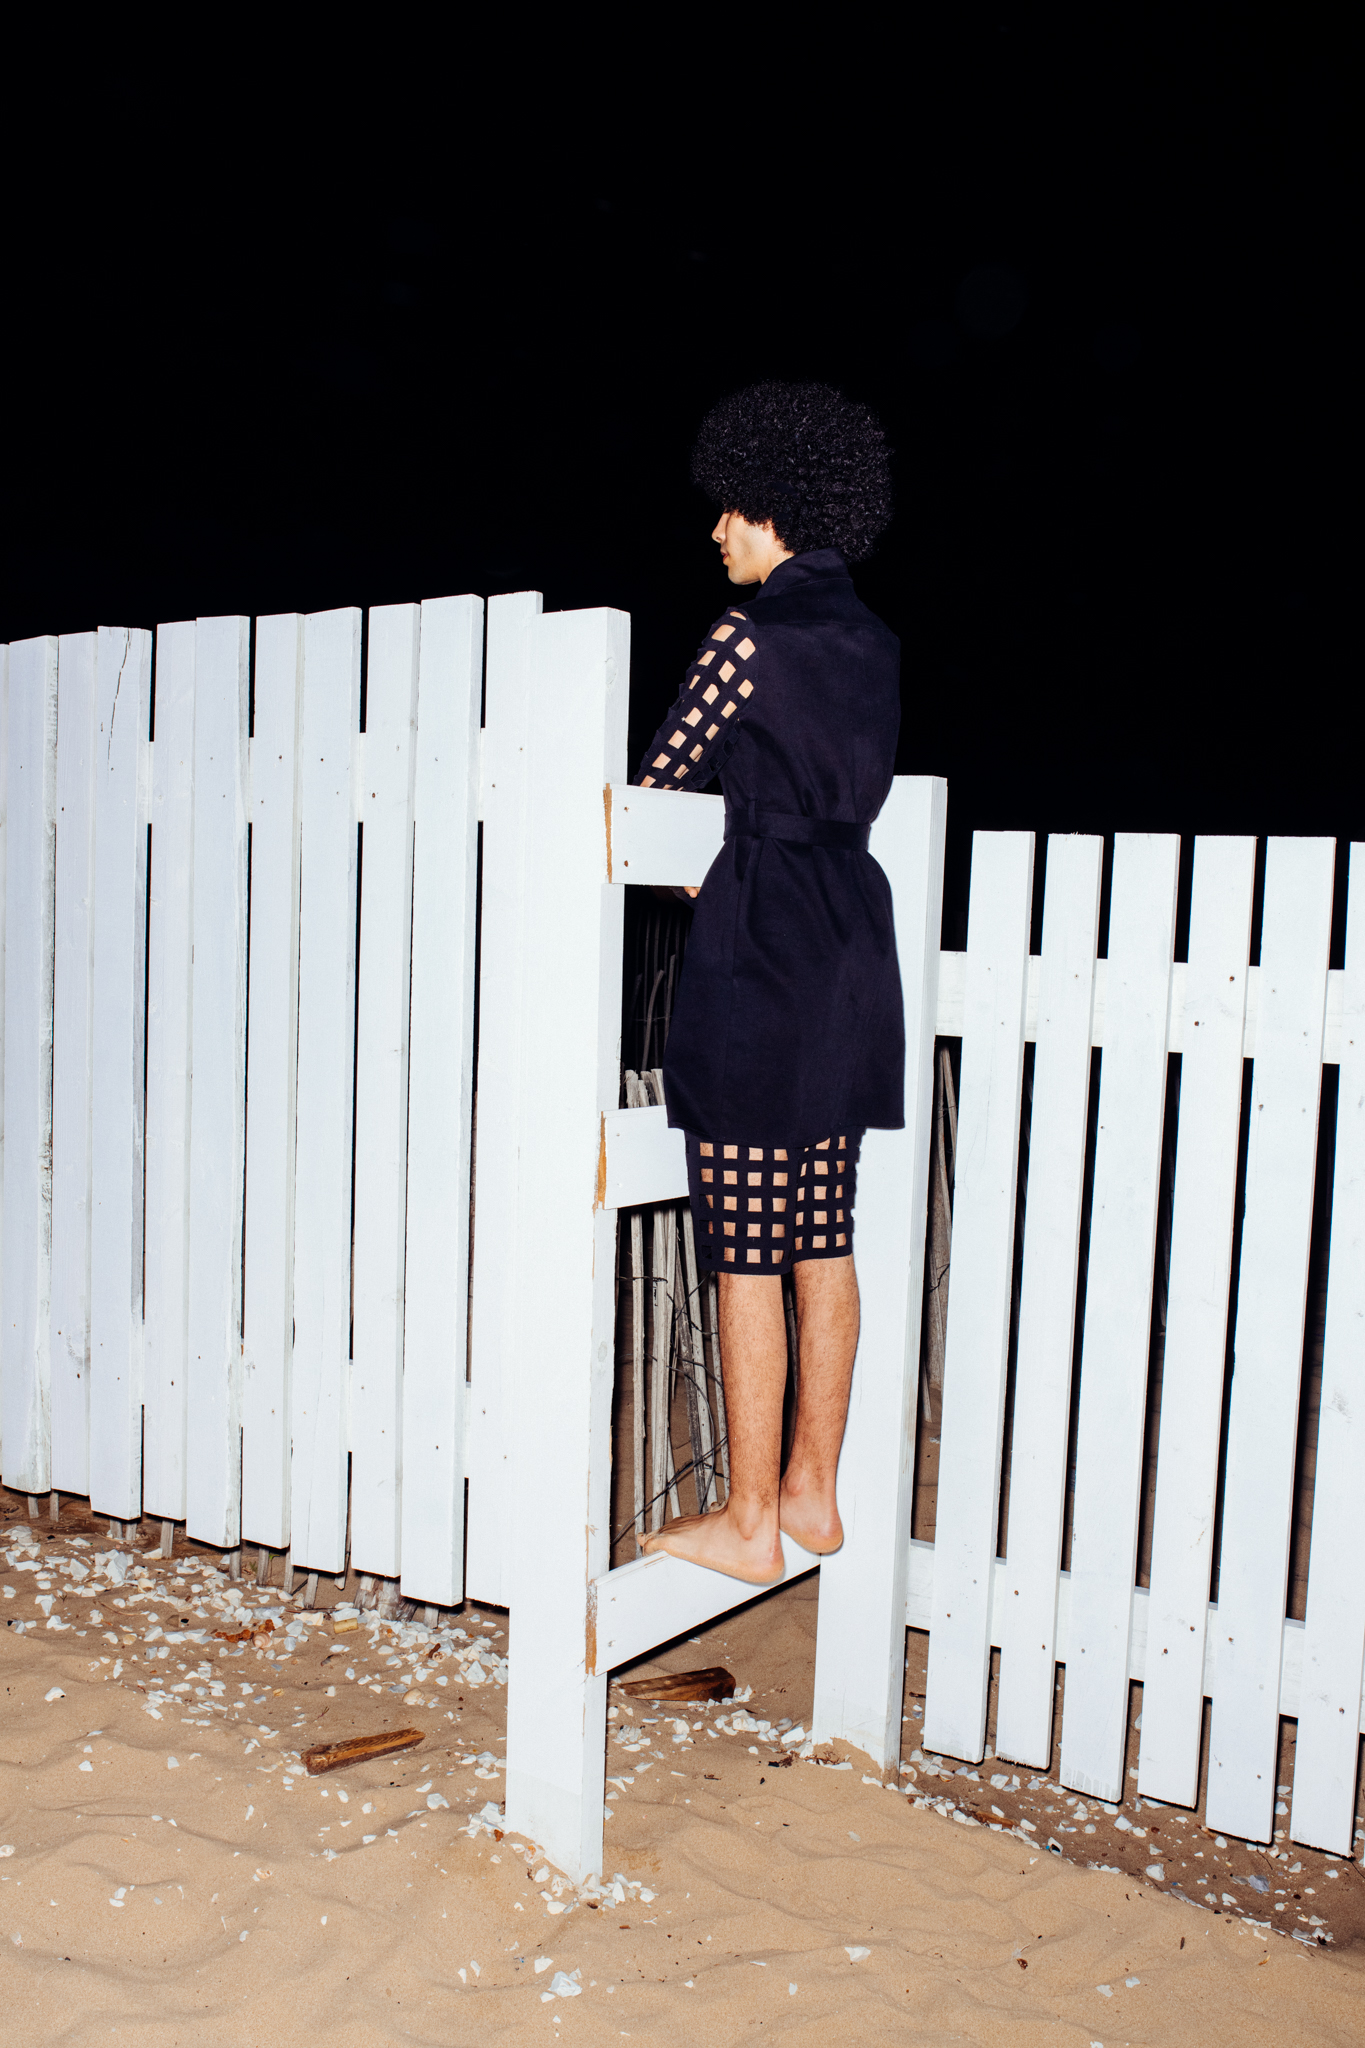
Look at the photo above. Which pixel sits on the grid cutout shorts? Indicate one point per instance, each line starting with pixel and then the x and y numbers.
pixel 762 1209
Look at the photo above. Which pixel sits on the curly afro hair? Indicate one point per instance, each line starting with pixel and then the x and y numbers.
pixel 802 455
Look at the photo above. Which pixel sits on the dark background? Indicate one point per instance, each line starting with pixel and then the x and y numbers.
pixel 294 327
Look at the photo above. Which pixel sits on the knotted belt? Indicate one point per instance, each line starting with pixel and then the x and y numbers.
pixel 749 822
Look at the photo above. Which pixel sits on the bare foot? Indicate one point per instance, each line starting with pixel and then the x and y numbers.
pixel 715 1541
pixel 812 1523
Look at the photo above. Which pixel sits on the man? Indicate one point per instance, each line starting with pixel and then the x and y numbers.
pixel 787 1039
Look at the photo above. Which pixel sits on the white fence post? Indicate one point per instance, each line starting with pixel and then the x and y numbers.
pixel 1047 1299
pixel 1328 1748
pixel 860 1643
pixel 218 1083
pixel 123 662
pixel 326 1039
pixel 381 1103
pixel 30 874
pixel 72 1047
pixel 170 941
pixel 1118 1310
pixel 565 1239
pixel 440 1099
pixel 1268 1342
pixel 272 1068
pixel 1196 1318
pixel 513 624
pixel 4 806
pixel 979 1313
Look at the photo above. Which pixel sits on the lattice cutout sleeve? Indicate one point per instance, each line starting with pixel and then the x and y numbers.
pixel 692 743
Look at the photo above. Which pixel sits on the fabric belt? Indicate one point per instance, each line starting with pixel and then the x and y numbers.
pixel 752 823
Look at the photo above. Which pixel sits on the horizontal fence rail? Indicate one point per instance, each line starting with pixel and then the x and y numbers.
pixel 239 1163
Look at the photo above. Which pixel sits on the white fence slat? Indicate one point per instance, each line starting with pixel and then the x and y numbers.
pixel 1118 1309
pixel 1332 1029
pixel 218 1089
pixel 565 1330
pixel 1196 1317
pixel 272 1048
pixel 169 943
pixel 860 1641
pixel 1323 1808
pixel 1268 1342
pixel 123 664
pixel 440 1099
pixel 26 1259
pixel 652 838
pixel 654 1598
pixel 513 623
pixel 1047 1301
pixel 644 1161
pixel 322 1199
pixel 72 1044
pixel 979 1315
pixel 381 1100
pixel 4 805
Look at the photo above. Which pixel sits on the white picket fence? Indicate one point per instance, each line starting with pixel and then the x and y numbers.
pixel 274 1362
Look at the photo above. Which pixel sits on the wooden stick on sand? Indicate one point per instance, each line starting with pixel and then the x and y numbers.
pixel 360 1749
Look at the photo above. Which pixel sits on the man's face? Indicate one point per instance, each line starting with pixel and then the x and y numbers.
pixel 750 553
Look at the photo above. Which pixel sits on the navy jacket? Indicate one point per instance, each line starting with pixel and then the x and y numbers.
pixel 788 1025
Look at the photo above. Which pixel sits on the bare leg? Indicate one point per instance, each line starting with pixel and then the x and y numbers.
pixel 827 1312
pixel 742 1539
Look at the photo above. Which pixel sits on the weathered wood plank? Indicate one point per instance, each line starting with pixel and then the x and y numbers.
pixel 651 837
pixel 979 1318
pixel 30 881
pixel 440 1099
pixel 72 1051
pixel 272 1050
pixel 652 1599
pixel 381 1100
pixel 218 1089
pixel 1047 1301
pixel 565 1324
pixel 322 1198
pixel 1268 1341
pixel 123 666
pixel 513 623
pixel 860 1641
pixel 1196 1317
pixel 1118 1307
pixel 1323 1808
pixel 646 1162
pixel 170 942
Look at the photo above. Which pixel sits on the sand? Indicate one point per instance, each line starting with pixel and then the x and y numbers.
pixel 175 1876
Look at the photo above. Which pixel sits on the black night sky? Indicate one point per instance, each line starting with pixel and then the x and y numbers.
pixel 289 330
